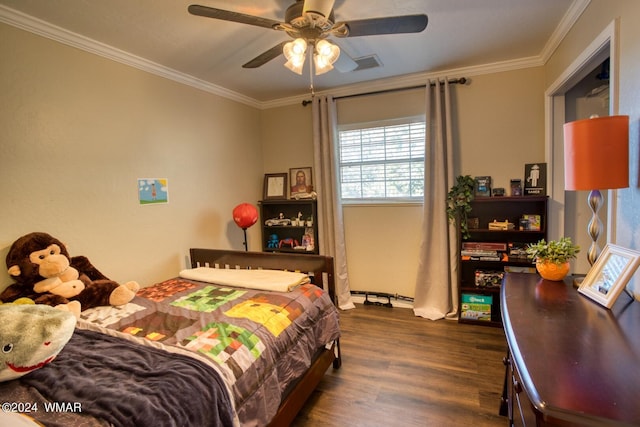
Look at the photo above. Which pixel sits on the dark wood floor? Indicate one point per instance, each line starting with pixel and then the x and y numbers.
pixel 402 370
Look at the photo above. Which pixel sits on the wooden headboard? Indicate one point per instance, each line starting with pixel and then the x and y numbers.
pixel 318 266
pixel 321 268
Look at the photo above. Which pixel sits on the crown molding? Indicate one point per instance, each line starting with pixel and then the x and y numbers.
pixel 53 32
pixel 42 28
pixel 409 80
pixel 566 23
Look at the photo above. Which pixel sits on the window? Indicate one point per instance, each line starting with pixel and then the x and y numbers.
pixel 382 162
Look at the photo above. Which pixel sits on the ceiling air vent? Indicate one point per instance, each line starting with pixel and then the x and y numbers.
pixel 367 62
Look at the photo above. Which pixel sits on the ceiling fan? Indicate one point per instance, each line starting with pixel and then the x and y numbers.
pixel 310 22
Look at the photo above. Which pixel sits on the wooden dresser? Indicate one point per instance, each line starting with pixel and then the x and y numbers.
pixel 571 362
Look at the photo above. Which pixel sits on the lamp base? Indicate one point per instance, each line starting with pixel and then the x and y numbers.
pixel 595 225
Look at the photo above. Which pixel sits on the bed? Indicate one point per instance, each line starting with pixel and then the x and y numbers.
pixel 197 349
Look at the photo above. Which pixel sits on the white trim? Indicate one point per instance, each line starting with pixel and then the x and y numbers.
pixel 579 67
pixel 606 44
pixel 566 23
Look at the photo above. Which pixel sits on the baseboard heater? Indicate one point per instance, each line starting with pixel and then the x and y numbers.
pixel 382 295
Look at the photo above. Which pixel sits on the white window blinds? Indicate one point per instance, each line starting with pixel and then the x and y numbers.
pixel 382 162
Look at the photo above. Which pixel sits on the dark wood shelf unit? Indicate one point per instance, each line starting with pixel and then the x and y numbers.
pixel 270 209
pixel 488 209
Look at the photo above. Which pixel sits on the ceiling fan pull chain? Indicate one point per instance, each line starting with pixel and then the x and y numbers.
pixel 310 51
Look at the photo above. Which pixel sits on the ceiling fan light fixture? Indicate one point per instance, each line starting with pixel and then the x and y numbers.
pixel 326 53
pixel 295 51
pixel 295 66
pixel 321 66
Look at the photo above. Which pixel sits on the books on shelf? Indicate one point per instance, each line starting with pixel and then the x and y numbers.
pixel 518 250
pixel 476 307
pixel 483 251
pixel 480 255
pixel 488 246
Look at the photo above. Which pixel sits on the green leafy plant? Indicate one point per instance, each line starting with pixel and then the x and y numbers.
pixel 459 202
pixel 557 252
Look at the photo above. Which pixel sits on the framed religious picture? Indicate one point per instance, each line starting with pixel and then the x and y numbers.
pixel 275 186
pixel 609 274
pixel 301 182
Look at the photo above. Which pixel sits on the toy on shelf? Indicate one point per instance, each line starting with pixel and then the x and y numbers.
pixel 504 225
pixel 288 242
pixel 272 243
pixel 281 220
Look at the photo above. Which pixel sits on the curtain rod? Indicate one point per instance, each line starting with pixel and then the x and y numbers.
pixel 461 80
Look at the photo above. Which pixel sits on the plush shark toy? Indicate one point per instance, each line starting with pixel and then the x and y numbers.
pixel 31 336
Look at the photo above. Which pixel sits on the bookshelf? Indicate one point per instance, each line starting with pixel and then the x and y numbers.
pixel 489 252
pixel 280 230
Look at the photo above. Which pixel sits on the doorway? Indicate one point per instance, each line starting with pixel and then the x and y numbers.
pixel 580 91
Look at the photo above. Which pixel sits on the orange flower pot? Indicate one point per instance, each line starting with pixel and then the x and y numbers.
pixel 552 271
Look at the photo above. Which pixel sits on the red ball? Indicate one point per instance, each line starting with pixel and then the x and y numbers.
pixel 245 215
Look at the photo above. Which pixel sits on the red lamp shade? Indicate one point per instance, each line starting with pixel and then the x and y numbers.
pixel 245 215
pixel 596 153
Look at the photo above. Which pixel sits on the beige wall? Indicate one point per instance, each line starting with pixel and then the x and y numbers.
pixel 78 131
pixel 501 124
pixel 286 136
pixel 593 21
pixel 499 128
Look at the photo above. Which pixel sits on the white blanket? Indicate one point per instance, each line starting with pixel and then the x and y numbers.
pixel 264 280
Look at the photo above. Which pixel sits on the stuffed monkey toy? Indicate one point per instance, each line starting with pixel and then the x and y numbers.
pixel 43 270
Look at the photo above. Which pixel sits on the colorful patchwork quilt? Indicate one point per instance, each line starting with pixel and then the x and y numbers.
pixel 257 342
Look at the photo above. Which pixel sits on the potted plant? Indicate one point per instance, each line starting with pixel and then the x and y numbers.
pixel 552 257
pixel 459 202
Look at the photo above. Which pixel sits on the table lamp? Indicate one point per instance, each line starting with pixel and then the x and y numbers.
pixel 596 157
pixel 245 215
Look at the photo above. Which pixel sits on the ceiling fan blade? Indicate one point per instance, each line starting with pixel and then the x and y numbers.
pixel 226 15
pixel 265 57
pixel 388 25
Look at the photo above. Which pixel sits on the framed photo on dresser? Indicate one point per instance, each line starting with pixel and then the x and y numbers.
pixel 609 274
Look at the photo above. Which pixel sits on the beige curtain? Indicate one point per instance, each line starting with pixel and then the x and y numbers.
pixel 436 293
pixel 330 224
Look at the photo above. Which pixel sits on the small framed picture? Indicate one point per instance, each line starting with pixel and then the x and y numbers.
pixel 301 181
pixel 153 191
pixel 275 186
pixel 516 187
pixel 609 274
pixel 482 186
